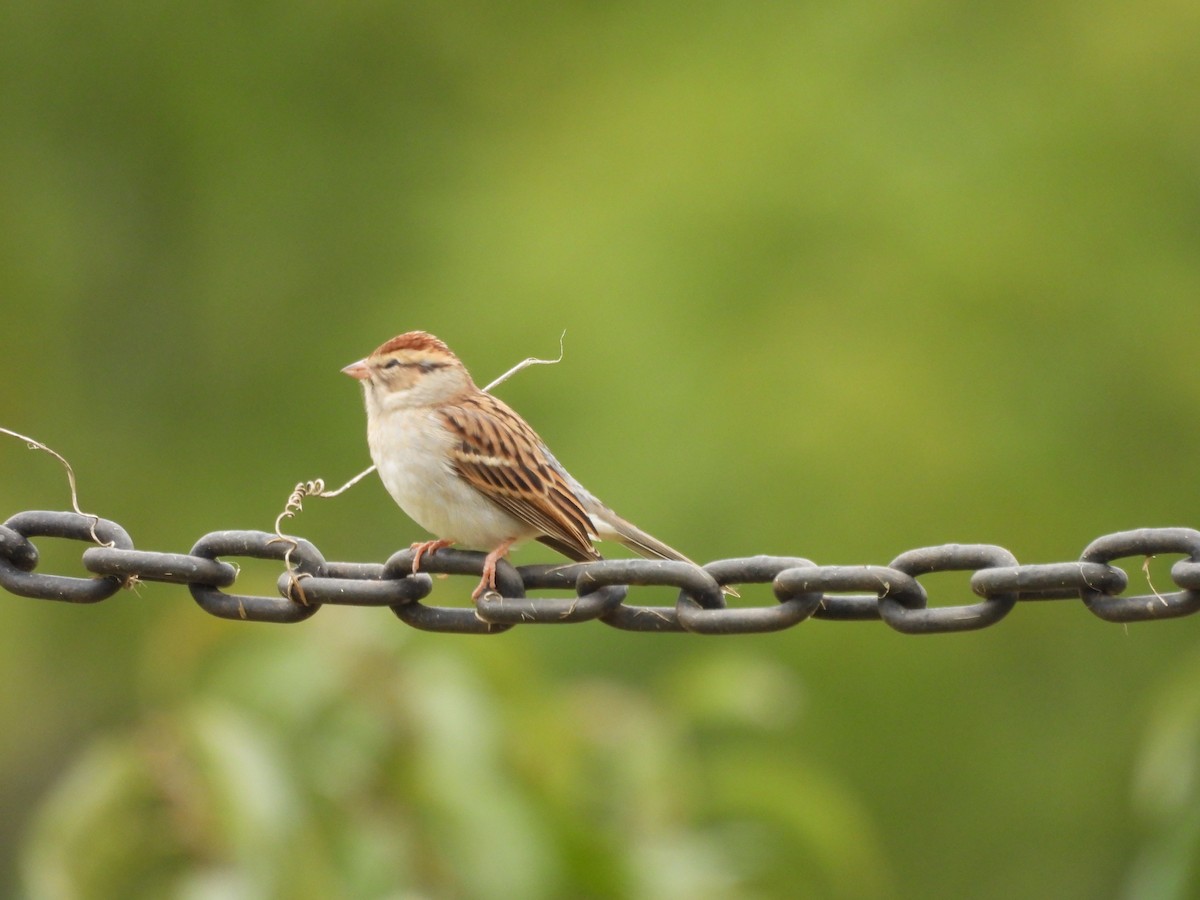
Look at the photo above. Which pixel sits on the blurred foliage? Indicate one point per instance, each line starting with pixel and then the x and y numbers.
pixel 838 280
pixel 348 760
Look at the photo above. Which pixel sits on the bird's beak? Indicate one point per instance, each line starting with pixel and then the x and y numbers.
pixel 357 370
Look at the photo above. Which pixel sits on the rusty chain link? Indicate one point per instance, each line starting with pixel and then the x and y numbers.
pixel 598 590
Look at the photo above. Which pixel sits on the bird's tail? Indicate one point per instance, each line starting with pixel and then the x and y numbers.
pixel 614 528
pixel 611 527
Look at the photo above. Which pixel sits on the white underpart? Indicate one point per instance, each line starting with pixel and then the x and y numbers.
pixel 416 471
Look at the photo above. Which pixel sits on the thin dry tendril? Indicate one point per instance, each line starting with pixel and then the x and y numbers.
pixel 38 445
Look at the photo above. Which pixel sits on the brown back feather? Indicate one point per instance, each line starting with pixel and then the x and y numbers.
pixel 500 456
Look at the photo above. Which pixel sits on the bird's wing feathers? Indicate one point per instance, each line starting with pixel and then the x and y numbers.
pixel 570 551
pixel 500 456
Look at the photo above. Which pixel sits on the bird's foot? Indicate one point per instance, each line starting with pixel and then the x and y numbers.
pixel 488 582
pixel 420 548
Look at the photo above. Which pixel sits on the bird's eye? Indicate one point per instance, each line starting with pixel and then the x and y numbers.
pixel 391 363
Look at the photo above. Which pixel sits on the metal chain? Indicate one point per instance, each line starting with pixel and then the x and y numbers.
pixel 598 590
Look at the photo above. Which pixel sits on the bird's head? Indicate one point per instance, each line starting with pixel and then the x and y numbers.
pixel 412 369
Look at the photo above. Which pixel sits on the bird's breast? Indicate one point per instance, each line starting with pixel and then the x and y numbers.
pixel 411 450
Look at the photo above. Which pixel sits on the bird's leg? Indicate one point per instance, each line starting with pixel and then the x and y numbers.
pixel 420 548
pixel 488 582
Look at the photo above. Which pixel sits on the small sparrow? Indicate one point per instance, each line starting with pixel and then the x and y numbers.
pixel 465 467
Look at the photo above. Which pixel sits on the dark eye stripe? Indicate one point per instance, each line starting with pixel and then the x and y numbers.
pixel 423 366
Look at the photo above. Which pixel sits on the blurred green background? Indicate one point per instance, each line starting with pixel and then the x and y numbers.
pixel 838 280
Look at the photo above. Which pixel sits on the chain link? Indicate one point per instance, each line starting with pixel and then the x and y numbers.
pixel 598 591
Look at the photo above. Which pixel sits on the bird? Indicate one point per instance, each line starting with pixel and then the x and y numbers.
pixel 463 465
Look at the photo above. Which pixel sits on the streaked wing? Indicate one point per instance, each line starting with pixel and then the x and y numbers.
pixel 570 551
pixel 500 456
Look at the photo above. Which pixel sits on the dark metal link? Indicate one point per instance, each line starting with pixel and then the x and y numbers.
pixel 851 608
pixel 1052 581
pixel 754 570
pixel 1143 542
pixel 598 602
pixel 355 571
pixel 15 547
pixel 550 577
pixel 447 618
pixel 173 568
pixel 897 612
pixel 839 579
pixel 692 582
pixel 801 588
pixel 355 586
pixel 62 587
pixel 257 545
pixel 1185 574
